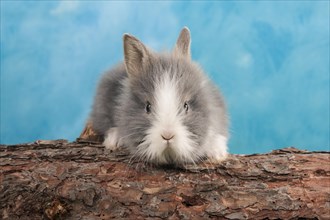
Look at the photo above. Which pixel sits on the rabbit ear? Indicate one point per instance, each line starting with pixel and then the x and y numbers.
pixel 137 56
pixel 182 47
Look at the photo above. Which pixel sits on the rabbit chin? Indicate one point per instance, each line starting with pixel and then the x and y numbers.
pixel 181 149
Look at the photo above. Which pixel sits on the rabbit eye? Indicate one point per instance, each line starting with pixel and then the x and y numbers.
pixel 148 107
pixel 186 106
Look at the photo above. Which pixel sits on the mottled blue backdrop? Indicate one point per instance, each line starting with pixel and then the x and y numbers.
pixel 271 60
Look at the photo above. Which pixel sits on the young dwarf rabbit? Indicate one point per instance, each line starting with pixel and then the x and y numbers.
pixel 161 106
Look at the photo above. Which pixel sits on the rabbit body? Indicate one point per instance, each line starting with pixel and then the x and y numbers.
pixel 161 106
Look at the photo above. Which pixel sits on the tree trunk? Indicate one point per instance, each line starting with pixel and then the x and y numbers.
pixel 82 180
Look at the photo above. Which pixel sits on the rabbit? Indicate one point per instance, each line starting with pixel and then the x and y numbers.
pixel 161 106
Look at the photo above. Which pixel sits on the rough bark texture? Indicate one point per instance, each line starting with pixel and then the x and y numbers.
pixel 82 180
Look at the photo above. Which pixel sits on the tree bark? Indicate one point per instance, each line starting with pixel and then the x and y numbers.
pixel 82 180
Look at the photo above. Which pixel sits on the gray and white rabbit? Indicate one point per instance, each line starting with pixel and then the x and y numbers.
pixel 162 107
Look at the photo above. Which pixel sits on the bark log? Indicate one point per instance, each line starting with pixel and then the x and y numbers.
pixel 82 180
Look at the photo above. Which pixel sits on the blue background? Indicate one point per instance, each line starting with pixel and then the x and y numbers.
pixel 270 59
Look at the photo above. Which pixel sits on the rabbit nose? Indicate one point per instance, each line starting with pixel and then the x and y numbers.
pixel 166 135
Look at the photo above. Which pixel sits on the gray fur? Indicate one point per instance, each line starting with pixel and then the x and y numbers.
pixel 122 93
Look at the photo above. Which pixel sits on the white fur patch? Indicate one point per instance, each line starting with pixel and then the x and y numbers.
pixel 111 139
pixel 167 101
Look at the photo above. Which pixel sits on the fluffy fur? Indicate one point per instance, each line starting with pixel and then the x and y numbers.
pixel 161 106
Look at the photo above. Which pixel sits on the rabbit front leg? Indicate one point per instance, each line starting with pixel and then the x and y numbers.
pixel 111 140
